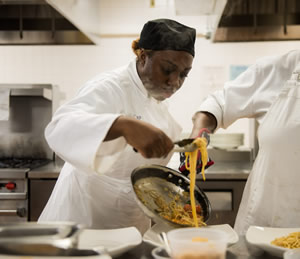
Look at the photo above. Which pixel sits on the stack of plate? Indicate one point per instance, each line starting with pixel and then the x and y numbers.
pixel 227 140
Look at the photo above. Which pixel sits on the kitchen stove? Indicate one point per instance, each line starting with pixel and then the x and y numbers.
pixel 14 187
pixel 23 146
pixel 30 163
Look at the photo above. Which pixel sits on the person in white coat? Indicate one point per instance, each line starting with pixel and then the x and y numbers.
pixel 113 114
pixel 268 91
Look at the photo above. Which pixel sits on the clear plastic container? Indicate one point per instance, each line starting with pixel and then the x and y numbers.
pixel 197 243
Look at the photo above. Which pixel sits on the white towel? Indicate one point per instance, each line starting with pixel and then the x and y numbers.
pixel 4 104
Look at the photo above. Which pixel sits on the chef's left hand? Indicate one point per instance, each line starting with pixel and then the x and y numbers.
pixel 203 133
pixel 182 168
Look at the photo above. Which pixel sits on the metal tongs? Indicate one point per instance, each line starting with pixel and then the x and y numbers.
pixel 187 145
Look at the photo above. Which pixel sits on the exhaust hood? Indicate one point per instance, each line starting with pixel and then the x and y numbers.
pixel 76 11
pixel 24 22
pixel 208 12
pixel 259 20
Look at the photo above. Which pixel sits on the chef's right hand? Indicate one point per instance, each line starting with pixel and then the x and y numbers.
pixel 149 141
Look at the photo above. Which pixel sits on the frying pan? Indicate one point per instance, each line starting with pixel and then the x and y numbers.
pixel 165 181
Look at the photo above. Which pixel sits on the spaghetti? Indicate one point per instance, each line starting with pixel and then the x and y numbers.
pixel 172 210
pixel 191 165
pixel 290 241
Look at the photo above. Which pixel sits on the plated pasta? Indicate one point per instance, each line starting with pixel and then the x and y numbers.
pixel 290 241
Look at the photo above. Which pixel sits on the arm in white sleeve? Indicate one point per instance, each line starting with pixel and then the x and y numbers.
pixel 251 94
pixel 78 128
pixel 234 101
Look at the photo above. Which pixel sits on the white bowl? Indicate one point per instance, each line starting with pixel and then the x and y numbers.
pixel 227 136
pixel 232 140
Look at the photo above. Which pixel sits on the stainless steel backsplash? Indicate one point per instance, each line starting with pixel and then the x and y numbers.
pixel 23 134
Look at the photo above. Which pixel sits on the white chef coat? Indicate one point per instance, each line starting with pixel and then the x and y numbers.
pixel 94 186
pixel 272 195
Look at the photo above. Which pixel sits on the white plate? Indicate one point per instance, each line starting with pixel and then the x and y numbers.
pixel 116 241
pixel 152 235
pixel 262 237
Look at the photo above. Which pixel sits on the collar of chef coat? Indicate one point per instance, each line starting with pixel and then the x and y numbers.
pixel 136 79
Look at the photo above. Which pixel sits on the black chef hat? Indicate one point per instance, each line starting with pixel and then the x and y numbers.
pixel 165 34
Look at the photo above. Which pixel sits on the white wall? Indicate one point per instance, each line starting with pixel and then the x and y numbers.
pixel 70 66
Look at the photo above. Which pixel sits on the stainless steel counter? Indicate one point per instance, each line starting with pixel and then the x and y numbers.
pixel 229 170
pixel 220 171
pixel 49 171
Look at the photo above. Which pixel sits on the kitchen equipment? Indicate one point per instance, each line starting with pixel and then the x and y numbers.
pixel 23 146
pixel 160 253
pixel 197 243
pixel 227 140
pixel 164 237
pixel 46 250
pixel 185 145
pixel 27 234
pixel 153 235
pixel 14 187
pixel 13 195
pixel 53 230
pixel 166 183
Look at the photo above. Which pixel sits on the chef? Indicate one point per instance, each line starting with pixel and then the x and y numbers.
pixel 268 91
pixel 113 114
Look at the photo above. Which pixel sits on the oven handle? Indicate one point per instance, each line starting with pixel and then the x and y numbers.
pixel 21 212
pixel 13 196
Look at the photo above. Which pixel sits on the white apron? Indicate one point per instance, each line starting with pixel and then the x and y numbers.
pixel 272 193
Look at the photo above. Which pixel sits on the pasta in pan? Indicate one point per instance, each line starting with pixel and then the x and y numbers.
pixel 177 210
pixel 290 241
pixel 172 210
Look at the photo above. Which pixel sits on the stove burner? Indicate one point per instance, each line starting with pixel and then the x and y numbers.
pixel 30 163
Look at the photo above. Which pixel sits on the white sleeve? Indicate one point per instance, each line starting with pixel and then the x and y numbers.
pixel 78 128
pixel 251 94
pixel 234 101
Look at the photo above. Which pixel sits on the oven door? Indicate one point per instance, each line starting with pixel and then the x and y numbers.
pixel 13 196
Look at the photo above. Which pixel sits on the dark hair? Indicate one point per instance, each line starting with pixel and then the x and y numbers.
pixel 137 50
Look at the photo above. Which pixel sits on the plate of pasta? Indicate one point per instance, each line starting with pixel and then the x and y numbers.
pixel 275 241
